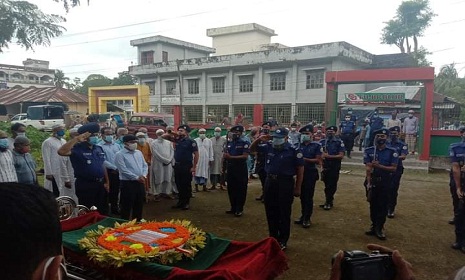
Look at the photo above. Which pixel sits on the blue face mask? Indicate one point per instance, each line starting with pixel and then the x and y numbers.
pixel 304 138
pixel 60 133
pixel 93 140
pixel 278 141
pixel 109 138
pixel 4 144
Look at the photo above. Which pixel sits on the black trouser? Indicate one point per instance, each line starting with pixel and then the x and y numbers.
pixel 394 189
pixel 55 190
pixel 348 139
pixel 459 214
pixel 113 195
pixel 455 198
pixel 262 175
pixel 183 179
pixel 92 193
pixel 360 141
pixel 279 195
pixel 132 199
pixel 306 193
pixel 331 170
pixel 237 184
pixel 379 202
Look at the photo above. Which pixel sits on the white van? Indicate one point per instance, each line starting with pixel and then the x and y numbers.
pixel 44 117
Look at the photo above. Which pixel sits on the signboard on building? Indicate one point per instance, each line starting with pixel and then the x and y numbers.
pixel 171 99
pixel 374 98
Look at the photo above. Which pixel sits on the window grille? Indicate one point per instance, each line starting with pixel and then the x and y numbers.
pixel 277 81
pixel 315 79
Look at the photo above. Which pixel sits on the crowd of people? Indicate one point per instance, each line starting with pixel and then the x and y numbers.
pixel 116 171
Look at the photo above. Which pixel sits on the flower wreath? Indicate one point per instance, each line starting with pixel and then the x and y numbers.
pixel 163 242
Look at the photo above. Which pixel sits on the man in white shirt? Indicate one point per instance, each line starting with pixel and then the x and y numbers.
pixel 162 166
pixel 52 160
pixel 394 121
pixel 7 167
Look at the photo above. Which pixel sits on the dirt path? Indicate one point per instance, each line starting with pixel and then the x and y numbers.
pixel 419 230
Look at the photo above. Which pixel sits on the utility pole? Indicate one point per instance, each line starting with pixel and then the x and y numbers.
pixel 178 63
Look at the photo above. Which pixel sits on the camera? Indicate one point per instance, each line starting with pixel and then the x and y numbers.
pixel 359 265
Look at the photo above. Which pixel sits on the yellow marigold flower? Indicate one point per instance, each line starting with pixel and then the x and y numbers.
pixel 136 246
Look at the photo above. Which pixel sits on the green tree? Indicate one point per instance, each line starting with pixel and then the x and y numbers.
pixel 27 25
pixel 410 22
pixel 446 79
pixel 123 79
pixel 61 80
pixel 94 80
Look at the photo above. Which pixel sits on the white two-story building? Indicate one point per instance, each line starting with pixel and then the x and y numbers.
pixel 245 73
pixel 34 72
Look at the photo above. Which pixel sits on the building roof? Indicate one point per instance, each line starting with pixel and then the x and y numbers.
pixel 46 94
pixel 172 41
pixel 413 93
pixel 248 27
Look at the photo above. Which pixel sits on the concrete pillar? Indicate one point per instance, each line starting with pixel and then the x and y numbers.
pixel 230 93
pixel 203 92
pixel 260 79
pixel 293 88
pixel 158 89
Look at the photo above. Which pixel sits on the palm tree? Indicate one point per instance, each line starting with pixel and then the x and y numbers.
pixel 60 79
pixel 447 78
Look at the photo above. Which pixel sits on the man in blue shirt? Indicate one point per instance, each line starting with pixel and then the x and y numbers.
pixel 186 156
pixel 132 174
pixel 311 151
pixel 402 151
pixel 380 163
pixel 333 153
pixel 25 164
pixel 457 181
pixel 87 159
pixel 236 154
pixel 376 123
pixel 111 148
pixel 294 136
pixel 347 129
pixel 282 163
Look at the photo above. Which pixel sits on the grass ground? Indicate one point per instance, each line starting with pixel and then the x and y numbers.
pixel 420 229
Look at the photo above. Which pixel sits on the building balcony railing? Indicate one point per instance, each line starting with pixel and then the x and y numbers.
pixel 3 80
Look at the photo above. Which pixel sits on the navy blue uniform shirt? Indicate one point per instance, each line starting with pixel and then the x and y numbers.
pixel 333 147
pixel 237 148
pixel 457 153
pixel 87 163
pixel 376 123
pixel 261 157
pixel 387 157
pixel 282 162
pixel 185 147
pixel 311 151
pixel 401 149
pixel 347 127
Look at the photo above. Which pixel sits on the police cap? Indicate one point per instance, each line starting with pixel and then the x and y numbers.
pixel 237 128
pixel 395 129
pixel 382 131
pixel 293 124
pixel 129 137
pixel 307 128
pixel 333 127
pixel 89 127
pixel 185 127
pixel 266 123
pixel 280 132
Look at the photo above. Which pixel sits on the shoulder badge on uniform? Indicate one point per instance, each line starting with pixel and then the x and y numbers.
pixel 321 149
pixel 342 144
pixel 299 155
pixel 194 144
pixel 246 146
pixel 395 155
pixel 404 148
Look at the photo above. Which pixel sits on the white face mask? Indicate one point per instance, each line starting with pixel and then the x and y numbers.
pixel 21 134
pixel 202 136
pixel 141 141
pixel 132 146
pixel 217 134
pixel 159 138
pixel 293 129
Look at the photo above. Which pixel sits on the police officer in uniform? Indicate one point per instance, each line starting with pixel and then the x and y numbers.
pixel 376 123
pixel 236 154
pixel 88 159
pixel 312 157
pixel 380 162
pixel 347 129
pixel 261 158
pixel 186 156
pixel 333 153
pixel 457 183
pixel 282 162
pixel 402 151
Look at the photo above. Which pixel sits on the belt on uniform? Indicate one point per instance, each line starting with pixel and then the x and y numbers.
pixel 277 176
pixel 98 180
pixel 183 162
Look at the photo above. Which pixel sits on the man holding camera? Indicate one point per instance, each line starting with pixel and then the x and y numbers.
pixel 381 162
pixel 457 158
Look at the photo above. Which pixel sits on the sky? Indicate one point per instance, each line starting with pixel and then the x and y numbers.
pixel 97 39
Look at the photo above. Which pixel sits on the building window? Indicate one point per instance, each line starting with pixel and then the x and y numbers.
pixel 151 86
pixel 193 114
pixel 247 114
pixel 146 57
pixel 193 86
pixel 279 112
pixel 278 81
pixel 218 85
pixel 171 87
pixel 216 113
pixel 164 56
pixel 315 79
pixel 246 83
pixel 308 112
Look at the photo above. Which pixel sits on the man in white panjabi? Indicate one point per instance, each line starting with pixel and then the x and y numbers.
pixel 218 143
pixel 67 172
pixel 162 169
pixel 202 171
pixel 52 159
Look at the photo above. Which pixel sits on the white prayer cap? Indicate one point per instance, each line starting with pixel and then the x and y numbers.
pixel 202 130
pixel 159 131
pixel 218 128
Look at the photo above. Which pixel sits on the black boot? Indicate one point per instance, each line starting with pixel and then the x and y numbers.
pixel 379 233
